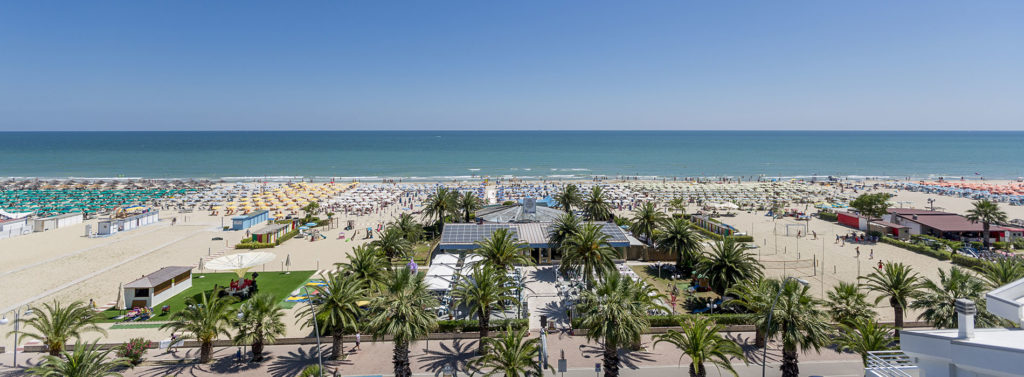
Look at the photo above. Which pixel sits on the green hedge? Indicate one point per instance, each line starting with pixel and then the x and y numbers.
pixel 972 263
pixel 254 245
pixel 674 320
pixel 920 249
pixel 468 325
pixel 828 216
pixel 286 236
pixel 955 245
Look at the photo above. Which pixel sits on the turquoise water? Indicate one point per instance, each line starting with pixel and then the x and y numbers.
pixel 530 154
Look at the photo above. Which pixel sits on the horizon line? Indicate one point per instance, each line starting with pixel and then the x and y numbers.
pixel 518 130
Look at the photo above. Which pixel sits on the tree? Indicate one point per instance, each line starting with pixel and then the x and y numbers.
pixel 615 313
pixel 678 237
pixel 936 299
pixel 259 323
pixel 311 371
pixel 400 310
pixel 864 335
pixel 441 204
pixel 596 205
pixel 986 212
pixel 203 319
pixel 754 296
pixel 88 360
pixel 589 253
pixel 677 204
pixel 872 205
pixel 566 226
pixel 701 341
pixel 513 354
pixel 366 264
pixel 897 282
pixel 393 243
pixel 310 208
pixel 847 304
pixel 468 204
pixel 482 292
pixel 729 263
pixel 800 323
pixel 412 231
pixel 569 197
pixel 1002 272
pixel 338 311
pixel 55 324
pixel 502 251
pixel 646 220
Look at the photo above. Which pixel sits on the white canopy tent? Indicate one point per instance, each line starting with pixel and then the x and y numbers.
pixel 240 263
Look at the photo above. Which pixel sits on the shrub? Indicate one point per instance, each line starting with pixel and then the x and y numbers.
pixel 255 245
pixel 920 249
pixel 508 203
pixel 969 262
pixel 828 216
pixel 133 350
pixel 674 320
pixel 286 236
pixel 1001 245
pixel 977 245
pixel 469 325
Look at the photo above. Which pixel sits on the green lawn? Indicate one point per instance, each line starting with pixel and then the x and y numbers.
pixel 276 283
pixel 665 286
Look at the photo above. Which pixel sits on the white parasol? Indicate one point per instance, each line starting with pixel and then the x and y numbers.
pixel 240 263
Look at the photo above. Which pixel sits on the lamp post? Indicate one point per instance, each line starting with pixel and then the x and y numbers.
pixel 240 316
pixel 17 327
pixel 316 327
pixel 767 326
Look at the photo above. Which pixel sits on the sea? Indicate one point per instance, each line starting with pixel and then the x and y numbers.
pixel 531 155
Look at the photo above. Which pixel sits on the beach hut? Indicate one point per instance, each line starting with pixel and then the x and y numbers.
pixel 113 226
pixel 271 233
pixel 15 227
pixel 57 222
pixel 155 288
pixel 250 220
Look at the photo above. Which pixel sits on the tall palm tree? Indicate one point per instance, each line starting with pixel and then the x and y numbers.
pixel 203 319
pixel 337 313
pixel 259 323
pixel 700 340
pixel 55 324
pixel 588 252
pixel 729 263
pixel 678 237
pixel 366 263
pixel 412 231
pixel 647 218
pixel 847 304
pixel 502 251
pixel 986 212
pixel 1003 271
pixel 596 205
pixel 569 197
pixel 615 313
pixel 393 243
pixel 754 296
pixel 400 311
pixel 936 299
pixel 865 335
pixel 88 360
pixel 897 282
pixel 564 227
pixel 513 354
pixel 441 204
pixel 468 204
pixel 482 292
pixel 800 323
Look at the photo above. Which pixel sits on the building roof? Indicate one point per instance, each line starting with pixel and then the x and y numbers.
pixel 271 228
pixel 465 236
pixel 915 211
pixel 160 276
pixel 888 224
pixel 64 216
pixel 533 233
pixel 251 215
pixel 519 214
pixel 955 223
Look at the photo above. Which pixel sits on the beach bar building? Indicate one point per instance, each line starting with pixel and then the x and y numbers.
pixel 57 222
pixel 155 288
pixel 250 220
pixel 271 233
pixel 535 236
pixel 944 225
pixel 113 226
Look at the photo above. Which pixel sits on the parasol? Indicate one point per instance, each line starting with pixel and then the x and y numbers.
pixel 240 263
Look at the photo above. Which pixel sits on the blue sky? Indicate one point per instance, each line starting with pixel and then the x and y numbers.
pixel 519 65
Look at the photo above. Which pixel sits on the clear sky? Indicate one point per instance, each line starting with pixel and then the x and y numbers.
pixel 376 65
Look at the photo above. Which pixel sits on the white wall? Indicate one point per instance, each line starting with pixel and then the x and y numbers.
pixel 15 228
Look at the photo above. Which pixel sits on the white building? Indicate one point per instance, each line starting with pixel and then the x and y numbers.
pixel 15 227
pixel 963 351
pixel 57 222
pixel 113 226
pixel 153 289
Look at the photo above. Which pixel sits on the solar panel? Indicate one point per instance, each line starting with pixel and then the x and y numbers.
pixel 466 234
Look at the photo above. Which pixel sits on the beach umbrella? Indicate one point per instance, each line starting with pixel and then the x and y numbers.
pixel 288 261
pixel 200 266
pixel 240 263
pixel 118 304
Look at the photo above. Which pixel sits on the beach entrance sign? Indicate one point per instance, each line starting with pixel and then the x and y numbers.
pixel 240 263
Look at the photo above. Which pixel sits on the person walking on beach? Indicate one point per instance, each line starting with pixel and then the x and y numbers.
pixel 815 233
pixel 872 255
pixel 858 251
pixel 358 340
pixel 879 264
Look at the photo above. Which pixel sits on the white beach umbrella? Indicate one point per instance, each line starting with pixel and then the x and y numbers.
pixel 118 304
pixel 240 263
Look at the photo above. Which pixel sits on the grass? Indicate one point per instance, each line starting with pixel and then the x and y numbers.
pixel 665 286
pixel 276 283
pixel 139 325
pixel 420 254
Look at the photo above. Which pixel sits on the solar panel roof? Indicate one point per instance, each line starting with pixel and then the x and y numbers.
pixel 468 234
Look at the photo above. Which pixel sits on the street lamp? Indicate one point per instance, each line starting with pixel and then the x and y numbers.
pixel 240 316
pixel 764 354
pixel 17 325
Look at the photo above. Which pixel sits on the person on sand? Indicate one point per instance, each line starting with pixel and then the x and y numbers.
pixel 858 252
pixel 815 234
pixel 872 255
pixel 879 264
pixel 358 340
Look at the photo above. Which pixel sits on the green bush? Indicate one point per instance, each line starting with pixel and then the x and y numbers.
pixel 828 216
pixel 972 263
pixel 255 245
pixel 133 350
pixel 920 249
pixel 977 245
pixel 1001 245
pixel 674 320
pixel 286 236
pixel 742 238
pixel 468 325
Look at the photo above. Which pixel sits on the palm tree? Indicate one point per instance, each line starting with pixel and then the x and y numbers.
pixel 366 263
pixel 337 312
pixel 569 197
pixel 678 237
pixel 755 296
pixel 646 219
pixel 55 324
pixel 88 360
pixel 468 204
pixel 440 205
pixel 596 205
pixel 502 251
pixel 729 263
pixel 566 226
pixel 259 323
pixel 677 204
pixel 588 252
pixel 1002 272
pixel 485 290
pixel 615 313
pixel 865 335
pixel 897 282
pixel 203 319
pixel 400 311
pixel 513 354
pixel 412 231
pixel 800 323
pixel 393 243
pixel 986 213
pixel 700 340
pixel 937 299
pixel 847 304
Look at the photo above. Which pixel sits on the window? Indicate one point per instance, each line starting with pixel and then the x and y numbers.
pixel 141 292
